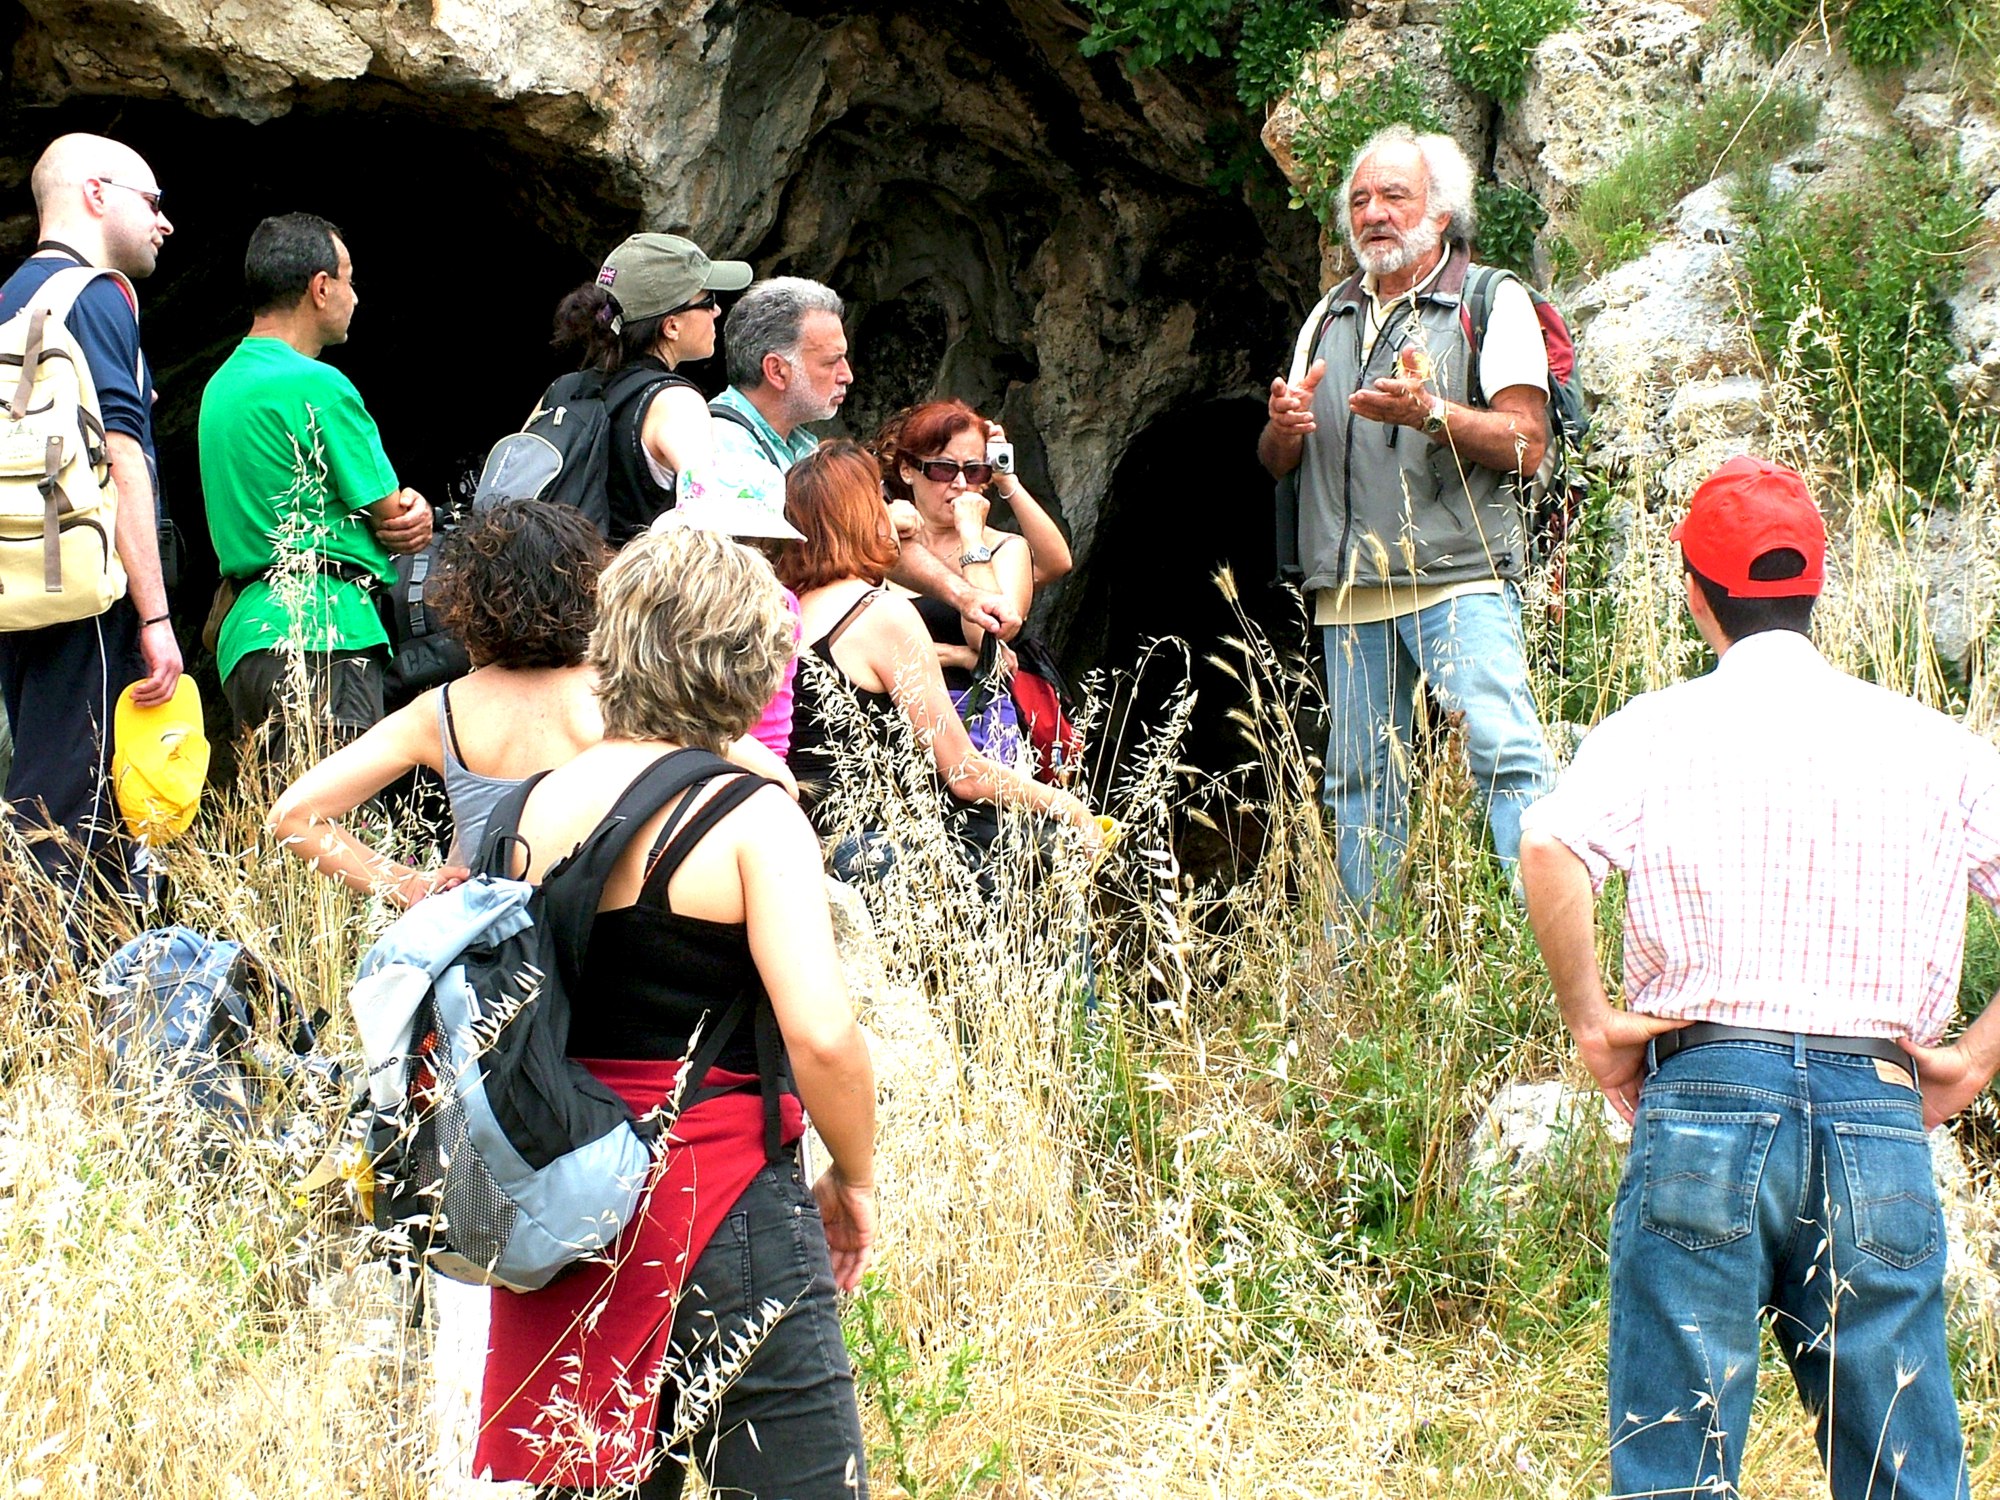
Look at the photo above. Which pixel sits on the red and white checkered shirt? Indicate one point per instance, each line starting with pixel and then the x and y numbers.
pixel 1797 845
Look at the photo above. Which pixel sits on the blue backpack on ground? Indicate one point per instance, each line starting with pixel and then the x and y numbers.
pixel 175 1005
pixel 503 1160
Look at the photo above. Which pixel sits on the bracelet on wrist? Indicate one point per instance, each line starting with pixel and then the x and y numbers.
pixel 156 620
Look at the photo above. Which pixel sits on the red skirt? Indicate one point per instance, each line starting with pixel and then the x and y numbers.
pixel 571 1393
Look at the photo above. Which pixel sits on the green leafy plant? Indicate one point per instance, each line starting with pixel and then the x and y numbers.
pixel 1509 219
pixel 1264 39
pixel 1618 214
pixel 1876 33
pixel 1854 289
pixel 1332 129
pixel 1487 43
pixel 911 1412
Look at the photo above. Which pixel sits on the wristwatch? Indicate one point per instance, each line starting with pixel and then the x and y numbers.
pixel 971 555
pixel 1434 423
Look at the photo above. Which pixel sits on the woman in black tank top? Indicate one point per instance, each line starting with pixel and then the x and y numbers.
pixel 650 310
pixel 872 646
pixel 714 916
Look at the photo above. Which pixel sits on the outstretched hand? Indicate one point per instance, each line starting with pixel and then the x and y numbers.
pixel 1290 406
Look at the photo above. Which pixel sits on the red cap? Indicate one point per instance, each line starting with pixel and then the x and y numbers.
pixel 1744 509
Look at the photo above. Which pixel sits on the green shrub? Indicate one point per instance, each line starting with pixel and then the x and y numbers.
pixel 1876 33
pixel 1487 43
pixel 1509 220
pixel 1332 130
pixel 1894 33
pixel 1157 31
pixel 1618 214
pixel 1264 39
pixel 1277 35
pixel 1854 288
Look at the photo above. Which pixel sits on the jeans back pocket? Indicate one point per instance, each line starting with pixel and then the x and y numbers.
pixel 1703 1170
pixel 1891 1195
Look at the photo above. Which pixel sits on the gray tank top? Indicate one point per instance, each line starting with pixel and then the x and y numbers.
pixel 472 796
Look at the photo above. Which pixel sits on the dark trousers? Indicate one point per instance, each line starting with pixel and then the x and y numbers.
pixel 61 684
pixel 343 695
pixel 786 1428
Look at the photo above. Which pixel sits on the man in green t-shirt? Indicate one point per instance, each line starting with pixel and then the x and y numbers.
pixel 303 506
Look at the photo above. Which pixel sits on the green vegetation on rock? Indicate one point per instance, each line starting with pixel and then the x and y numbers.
pixel 1264 39
pixel 1488 43
pixel 1854 287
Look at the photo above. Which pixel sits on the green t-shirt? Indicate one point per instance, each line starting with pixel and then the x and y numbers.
pixel 289 458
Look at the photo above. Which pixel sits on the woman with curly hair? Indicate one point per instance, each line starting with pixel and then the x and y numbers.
pixel 518 585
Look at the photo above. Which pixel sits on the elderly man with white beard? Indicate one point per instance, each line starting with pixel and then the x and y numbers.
pixel 1411 444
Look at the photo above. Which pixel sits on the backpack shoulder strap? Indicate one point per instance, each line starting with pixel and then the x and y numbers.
pixel 59 293
pixel 503 831
pixel 724 413
pixel 1308 340
pixel 676 842
pixel 572 888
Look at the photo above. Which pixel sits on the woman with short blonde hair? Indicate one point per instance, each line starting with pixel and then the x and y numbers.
pixel 714 924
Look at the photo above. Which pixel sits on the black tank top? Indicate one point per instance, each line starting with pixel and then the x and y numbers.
pixel 635 497
pixel 815 742
pixel 650 975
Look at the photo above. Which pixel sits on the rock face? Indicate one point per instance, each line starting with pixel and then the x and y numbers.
pixel 1011 222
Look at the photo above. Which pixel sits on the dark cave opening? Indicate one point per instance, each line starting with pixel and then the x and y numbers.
pixel 463 242
pixel 1188 499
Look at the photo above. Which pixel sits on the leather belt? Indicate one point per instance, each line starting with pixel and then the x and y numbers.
pixel 1667 1043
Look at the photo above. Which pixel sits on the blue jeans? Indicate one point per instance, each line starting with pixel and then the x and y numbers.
pixel 1469 652
pixel 1767 1180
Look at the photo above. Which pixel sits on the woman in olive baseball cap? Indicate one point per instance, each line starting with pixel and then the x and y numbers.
pixel 651 310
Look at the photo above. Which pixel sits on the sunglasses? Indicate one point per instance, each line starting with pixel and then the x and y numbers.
pixel 153 196
pixel 704 303
pixel 944 470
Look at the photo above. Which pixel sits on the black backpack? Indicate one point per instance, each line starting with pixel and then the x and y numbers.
pixel 564 454
pixel 503 1160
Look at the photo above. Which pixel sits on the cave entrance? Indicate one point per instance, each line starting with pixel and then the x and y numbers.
pixel 1187 499
pixel 465 234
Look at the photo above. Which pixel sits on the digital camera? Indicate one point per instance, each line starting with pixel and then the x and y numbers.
pixel 1001 456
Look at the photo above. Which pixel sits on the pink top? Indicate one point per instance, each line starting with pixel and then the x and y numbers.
pixel 1797 845
pixel 774 730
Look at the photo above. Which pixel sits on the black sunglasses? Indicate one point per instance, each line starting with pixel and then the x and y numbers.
pixel 704 303
pixel 944 470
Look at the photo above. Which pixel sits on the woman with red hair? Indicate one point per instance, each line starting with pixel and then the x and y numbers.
pixel 873 643
pixel 934 459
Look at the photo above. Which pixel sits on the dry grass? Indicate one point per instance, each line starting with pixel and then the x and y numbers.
pixel 1198 1202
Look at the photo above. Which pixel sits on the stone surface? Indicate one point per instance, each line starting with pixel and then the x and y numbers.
pixel 1010 221
pixel 1624 63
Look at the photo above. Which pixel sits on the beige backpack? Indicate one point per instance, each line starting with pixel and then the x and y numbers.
pixel 58 502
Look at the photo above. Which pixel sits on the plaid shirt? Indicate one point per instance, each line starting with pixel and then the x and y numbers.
pixel 1797 845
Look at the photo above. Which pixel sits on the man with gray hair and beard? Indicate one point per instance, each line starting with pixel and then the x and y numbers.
pixel 1410 447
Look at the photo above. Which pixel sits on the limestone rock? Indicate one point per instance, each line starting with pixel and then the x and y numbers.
pixel 1014 223
pixel 1972 1232
pixel 1957 554
pixel 1623 64
pixel 1525 1121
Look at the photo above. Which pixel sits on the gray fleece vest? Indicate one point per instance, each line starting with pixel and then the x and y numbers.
pixel 1383 504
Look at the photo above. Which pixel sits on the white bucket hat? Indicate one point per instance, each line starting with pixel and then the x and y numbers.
pixel 734 496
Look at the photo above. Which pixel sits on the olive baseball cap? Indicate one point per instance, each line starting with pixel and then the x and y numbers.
pixel 651 274
pixel 1745 509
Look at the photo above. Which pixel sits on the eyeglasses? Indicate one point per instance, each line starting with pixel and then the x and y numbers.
pixel 153 196
pixel 944 470
pixel 704 303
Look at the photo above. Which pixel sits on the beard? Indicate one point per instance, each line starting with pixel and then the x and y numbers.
pixel 1386 260
pixel 802 404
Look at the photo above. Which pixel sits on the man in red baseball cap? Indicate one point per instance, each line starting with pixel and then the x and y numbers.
pixel 1797 848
